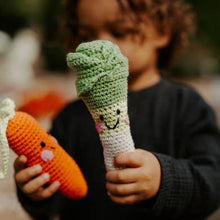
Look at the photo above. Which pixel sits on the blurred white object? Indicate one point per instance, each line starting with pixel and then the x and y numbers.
pixel 5 41
pixel 17 68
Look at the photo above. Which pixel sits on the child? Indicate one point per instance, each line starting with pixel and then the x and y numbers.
pixel 175 171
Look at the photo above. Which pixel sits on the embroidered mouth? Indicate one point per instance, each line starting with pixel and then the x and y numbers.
pixel 112 128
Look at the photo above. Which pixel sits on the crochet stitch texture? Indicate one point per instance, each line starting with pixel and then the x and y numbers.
pixel 6 113
pixel 102 73
pixel 26 137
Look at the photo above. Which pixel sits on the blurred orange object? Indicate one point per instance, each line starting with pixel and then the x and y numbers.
pixel 50 103
pixel 26 137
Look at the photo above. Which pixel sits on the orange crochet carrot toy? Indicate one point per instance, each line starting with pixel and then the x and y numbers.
pixel 26 137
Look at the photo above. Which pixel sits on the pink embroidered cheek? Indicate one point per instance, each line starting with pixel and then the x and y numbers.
pixel 46 155
pixel 99 127
pixel 127 121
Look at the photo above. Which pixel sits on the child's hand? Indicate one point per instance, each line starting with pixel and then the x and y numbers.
pixel 140 180
pixel 31 183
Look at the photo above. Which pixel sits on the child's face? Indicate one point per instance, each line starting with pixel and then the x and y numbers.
pixel 101 20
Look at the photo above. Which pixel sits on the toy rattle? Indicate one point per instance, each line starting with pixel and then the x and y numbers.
pixel 24 135
pixel 101 83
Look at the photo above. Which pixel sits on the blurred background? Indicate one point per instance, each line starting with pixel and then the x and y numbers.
pixel 33 69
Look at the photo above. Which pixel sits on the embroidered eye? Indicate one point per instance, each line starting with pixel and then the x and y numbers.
pixel 101 117
pixel 118 111
pixel 42 144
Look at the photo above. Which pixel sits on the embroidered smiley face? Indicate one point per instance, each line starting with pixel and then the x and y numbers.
pixel 112 118
pixel 101 117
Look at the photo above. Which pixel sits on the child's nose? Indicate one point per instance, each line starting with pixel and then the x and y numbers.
pixel 46 155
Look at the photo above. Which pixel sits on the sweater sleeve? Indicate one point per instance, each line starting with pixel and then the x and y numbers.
pixel 190 185
pixel 46 209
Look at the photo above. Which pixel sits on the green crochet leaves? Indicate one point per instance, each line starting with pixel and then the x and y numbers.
pixel 102 73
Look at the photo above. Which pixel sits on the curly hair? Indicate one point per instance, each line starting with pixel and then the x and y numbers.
pixel 174 16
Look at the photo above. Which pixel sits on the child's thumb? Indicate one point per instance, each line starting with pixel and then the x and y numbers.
pixel 20 163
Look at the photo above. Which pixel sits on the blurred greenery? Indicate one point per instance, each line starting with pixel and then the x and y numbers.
pixel 44 16
pixel 208 22
pixel 203 56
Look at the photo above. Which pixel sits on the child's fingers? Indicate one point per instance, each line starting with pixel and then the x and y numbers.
pixel 49 191
pixel 128 175
pixel 128 159
pixel 26 174
pixel 122 189
pixel 33 185
pixel 124 200
pixel 19 163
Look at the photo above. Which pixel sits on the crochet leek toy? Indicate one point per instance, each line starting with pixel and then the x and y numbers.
pixel 25 136
pixel 102 73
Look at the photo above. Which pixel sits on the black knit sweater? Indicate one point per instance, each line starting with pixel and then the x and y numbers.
pixel 168 119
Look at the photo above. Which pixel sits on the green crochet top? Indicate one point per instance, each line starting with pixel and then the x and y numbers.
pixel 102 73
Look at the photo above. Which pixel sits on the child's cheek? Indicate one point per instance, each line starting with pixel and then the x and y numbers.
pixel 99 127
